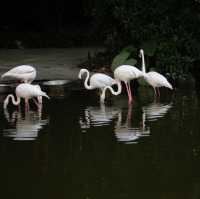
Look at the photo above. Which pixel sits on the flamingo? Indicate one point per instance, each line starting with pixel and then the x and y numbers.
pixel 26 91
pixel 124 73
pixel 97 81
pixel 24 73
pixel 153 78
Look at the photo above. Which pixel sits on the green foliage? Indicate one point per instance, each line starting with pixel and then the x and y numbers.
pixel 168 31
pixel 124 57
pixel 120 59
pixel 130 61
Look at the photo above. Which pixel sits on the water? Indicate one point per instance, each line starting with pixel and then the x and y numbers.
pixel 75 148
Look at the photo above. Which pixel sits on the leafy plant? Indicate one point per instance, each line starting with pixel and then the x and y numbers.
pixel 124 57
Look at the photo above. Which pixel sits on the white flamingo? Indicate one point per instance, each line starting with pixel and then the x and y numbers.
pixel 26 91
pixel 153 78
pixel 124 73
pixel 24 73
pixel 97 81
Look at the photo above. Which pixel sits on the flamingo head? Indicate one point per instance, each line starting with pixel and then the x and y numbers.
pixel 83 70
pixel 141 53
pixel 45 95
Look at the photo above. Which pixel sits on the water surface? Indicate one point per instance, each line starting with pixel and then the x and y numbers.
pixel 77 148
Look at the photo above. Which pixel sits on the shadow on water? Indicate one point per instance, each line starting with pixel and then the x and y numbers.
pixel 76 148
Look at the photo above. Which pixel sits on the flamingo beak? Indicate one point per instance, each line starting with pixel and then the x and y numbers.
pixel 140 54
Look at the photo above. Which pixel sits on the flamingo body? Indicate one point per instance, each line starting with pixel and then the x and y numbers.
pixel 24 73
pixel 97 81
pixel 126 73
pixel 26 91
pixel 157 80
pixel 100 80
pixel 153 78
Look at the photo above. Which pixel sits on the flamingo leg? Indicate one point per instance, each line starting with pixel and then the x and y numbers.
pixel 128 92
pixel 101 91
pixel 131 98
pixel 158 91
pixel 155 92
pixel 129 112
pixel 39 98
pixel 38 104
pixel 26 105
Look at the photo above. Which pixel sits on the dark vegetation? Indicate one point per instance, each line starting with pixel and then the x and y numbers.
pixel 167 30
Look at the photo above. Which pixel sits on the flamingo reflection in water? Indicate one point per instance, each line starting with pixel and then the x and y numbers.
pixel 24 127
pixel 155 110
pixel 126 129
pixel 126 133
pixel 98 116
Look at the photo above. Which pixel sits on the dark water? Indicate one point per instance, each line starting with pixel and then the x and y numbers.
pixel 76 148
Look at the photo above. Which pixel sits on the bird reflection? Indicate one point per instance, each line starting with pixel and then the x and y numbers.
pixel 156 110
pixel 127 129
pixel 98 116
pixel 126 132
pixel 24 127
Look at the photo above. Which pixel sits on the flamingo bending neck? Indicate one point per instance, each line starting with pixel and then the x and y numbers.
pixel 15 102
pixel 119 90
pixel 86 84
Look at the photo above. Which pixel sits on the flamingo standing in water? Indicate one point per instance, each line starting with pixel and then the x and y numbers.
pixel 24 73
pixel 153 78
pixel 97 81
pixel 26 91
pixel 124 73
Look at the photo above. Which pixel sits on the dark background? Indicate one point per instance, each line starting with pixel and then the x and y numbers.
pixel 42 15
pixel 170 28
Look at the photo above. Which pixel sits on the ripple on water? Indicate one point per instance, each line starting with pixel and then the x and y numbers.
pixel 24 128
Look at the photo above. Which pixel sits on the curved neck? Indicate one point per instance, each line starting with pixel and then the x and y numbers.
pixel 87 86
pixel 15 102
pixel 143 63
pixel 119 90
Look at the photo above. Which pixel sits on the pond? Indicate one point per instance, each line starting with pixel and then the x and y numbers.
pixel 76 148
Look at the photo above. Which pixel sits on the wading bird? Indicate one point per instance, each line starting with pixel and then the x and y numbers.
pixel 97 81
pixel 124 73
pixel 153 78
pixel 24 73
pixel 26 91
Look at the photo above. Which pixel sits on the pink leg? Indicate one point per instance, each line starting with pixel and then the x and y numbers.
pixel 129 112
pixel 26 105
pixel 158 91
pixel 155 92
pixel 39 99
pixel 38 104
pixel 129 87
pixel 129 94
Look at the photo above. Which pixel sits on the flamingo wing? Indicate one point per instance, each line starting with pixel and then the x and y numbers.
pixel 159 79
pixel 101 80
pixel 21 69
